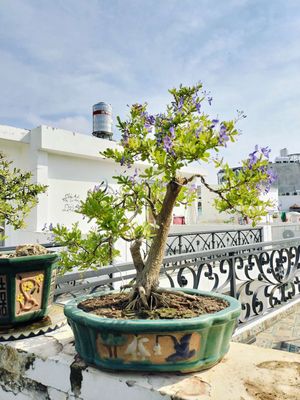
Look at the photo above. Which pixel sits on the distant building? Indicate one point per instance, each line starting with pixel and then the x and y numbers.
pixel 287 168
pixel 70 164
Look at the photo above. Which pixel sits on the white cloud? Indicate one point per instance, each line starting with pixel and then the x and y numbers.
pixel 59 58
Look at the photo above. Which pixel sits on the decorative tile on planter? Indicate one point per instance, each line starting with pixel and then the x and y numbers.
pixel 25 285
pixel 156 348
pixel 29 291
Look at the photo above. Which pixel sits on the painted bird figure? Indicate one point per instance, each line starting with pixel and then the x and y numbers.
pixel 182 349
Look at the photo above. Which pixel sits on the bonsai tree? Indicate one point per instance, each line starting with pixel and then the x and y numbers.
pixel 165 143
pixel 17 195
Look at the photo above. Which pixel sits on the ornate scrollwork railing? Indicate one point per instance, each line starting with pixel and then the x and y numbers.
pixel 188 242
pixel 262 276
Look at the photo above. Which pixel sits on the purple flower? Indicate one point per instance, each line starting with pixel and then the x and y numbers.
pixel 198 131
pixel 209 99
pixel 132 178
pixel 214 122
pixel 180 104
pixel 168 144
pixel 137 107
pixel 272 176
pixel 223 138
pixel 159 138
pixel 253 158
pixel 172 131
pixel 50 226
pixel 149 127
pixel 196 103
pixel 122 161
pixel 96 188
pixel 266 151
pixel 193 187
pixel 151 119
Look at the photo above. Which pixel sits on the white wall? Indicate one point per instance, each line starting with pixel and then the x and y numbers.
pixel 287 201
pixel 70 164
pixel 209 213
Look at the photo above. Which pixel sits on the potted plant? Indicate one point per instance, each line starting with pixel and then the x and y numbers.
pixel 147 327
pixel 26 275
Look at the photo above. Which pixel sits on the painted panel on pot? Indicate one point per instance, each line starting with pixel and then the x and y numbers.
pixel 29 291
pixel 3 297
pixel 154 348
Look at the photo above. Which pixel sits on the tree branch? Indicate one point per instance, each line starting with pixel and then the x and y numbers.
pixel 219 192
pixel 150 202
pixel 135 249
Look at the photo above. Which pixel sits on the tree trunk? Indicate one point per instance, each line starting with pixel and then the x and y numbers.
pixel 148 278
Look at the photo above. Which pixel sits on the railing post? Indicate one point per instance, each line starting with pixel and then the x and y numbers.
pixel 212 240
pixel 180 243
pixel 239 237
pixel 260 234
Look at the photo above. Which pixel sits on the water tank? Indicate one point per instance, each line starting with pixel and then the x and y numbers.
pixel 102 120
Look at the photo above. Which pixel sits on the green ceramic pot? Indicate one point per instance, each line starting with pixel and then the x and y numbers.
pixel 153 345
pixel 26 288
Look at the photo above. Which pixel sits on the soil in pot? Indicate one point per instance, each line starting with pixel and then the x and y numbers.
pixel 172 306
pixel 26 250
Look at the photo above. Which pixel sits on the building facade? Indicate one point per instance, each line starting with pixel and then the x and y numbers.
pixel 70 164
pixel 287 168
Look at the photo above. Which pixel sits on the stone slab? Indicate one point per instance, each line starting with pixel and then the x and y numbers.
pixel 47 368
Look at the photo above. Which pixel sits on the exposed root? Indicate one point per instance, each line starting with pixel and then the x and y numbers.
pixel 142 294
pixel 177 293
pixel 160 306
pixel 127 286
pixel 139 301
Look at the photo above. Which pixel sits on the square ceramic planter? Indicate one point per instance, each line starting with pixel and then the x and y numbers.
pixel 184 345
pixel 26 288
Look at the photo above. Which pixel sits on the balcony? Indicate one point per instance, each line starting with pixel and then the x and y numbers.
pixel 264 276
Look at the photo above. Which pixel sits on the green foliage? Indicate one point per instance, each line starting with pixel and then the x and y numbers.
pixel 161 145
pixel 242 188
pixel 17 194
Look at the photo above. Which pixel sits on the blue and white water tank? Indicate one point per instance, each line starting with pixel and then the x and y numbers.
pixel 102 120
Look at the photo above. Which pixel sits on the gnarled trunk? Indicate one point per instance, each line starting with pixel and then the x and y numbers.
pixel 148 276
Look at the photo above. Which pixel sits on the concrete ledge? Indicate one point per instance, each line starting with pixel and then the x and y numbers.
pixel 47 368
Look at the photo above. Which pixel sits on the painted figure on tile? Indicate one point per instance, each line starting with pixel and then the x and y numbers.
pixel 112 341
pixel 181 347
pixel 137 349
pixel 28 289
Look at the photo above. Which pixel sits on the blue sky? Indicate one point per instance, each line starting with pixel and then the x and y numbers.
pixel 58 58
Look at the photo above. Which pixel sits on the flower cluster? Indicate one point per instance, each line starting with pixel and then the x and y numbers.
pixel 254 161
pixel 223 138
pixel 255 156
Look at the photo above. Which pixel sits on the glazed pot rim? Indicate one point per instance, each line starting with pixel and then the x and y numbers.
pixel 15 260
pixel 74 313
